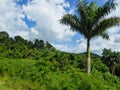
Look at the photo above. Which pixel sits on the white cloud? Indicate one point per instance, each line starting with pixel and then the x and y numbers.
pixel 64 47
pixel 46 14
pixel 11 18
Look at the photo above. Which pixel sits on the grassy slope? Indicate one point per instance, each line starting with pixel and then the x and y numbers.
pixel 25 74
pixel 39 66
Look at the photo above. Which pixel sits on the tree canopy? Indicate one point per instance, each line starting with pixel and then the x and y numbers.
pixel 90 22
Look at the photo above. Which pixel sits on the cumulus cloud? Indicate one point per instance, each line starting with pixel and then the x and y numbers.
pixel 46 14
pixel 11 18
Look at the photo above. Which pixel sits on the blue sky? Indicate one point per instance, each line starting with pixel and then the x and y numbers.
pixel 72 3
pixel 33 19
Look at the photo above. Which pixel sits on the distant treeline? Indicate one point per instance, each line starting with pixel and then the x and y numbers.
pixel 20 48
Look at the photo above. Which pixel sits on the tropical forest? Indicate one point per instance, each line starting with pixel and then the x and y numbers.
pixel 38 65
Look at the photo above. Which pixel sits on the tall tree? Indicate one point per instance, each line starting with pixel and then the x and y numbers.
pixel 90 21
pixel 39 44
pixel 111 59
pixel 4 35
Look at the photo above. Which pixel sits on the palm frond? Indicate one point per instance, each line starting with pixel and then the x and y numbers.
pixel 104 10
pixel 85 9
pixel 71 20
pixel 87 13
pixel 108 23
pixel 105 36
pixel 82 9
pixel 104 25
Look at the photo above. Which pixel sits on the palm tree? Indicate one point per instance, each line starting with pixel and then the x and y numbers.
pixel 90 21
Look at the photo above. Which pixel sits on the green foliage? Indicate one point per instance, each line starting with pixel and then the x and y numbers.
pixel 30 67
pixel 39 44
pixel 117 70
pixel 112 60
pixel 99 66
pixel 3 35
pixel 37 74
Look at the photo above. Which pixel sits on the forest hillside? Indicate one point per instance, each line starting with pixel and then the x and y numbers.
pixel 27 65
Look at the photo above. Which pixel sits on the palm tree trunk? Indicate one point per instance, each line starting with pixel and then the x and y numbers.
pixel 88 57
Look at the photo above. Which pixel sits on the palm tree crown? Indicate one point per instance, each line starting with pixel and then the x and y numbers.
pixel 90 22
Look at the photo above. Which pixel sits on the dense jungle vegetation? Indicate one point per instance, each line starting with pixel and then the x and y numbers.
pixel 27 65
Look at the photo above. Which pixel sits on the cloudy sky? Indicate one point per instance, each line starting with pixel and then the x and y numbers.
pixel 33 19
